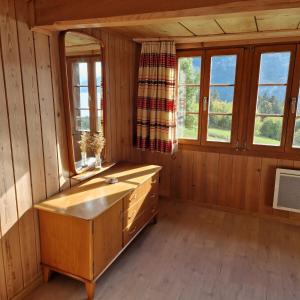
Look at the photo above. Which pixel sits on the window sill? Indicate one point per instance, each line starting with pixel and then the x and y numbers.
pixel 91 173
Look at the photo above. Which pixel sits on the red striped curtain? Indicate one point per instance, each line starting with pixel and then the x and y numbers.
pixel 156 97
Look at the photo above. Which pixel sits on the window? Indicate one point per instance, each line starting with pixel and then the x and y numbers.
pixel 87 93
pixel 271 94
pixel 215 83
pixel 188 95
pixel 246 98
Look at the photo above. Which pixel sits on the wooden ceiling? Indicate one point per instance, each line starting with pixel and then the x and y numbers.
pixel 77 43
pixel 216 26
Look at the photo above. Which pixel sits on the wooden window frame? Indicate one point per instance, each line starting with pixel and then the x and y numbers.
pixel 204 92
pixel 192 53
pixel 248 74
pixel 236 97
pixel 292 115
pixel 92 90
pixel 253 97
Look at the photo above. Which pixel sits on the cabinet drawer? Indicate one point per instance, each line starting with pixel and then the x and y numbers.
pixel 131 230
pixel 141 192
pixel 134 211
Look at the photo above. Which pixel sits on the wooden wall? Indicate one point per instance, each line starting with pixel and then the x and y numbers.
pixel 230 182
pixel 33 144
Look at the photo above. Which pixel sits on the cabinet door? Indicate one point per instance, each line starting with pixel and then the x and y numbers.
pixel 107 237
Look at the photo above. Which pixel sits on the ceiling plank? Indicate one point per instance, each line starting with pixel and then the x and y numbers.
pixel 155 30
pixel 67 14
pixel 291 34
pixel 237 25
pixel 277 22
pixel 203 27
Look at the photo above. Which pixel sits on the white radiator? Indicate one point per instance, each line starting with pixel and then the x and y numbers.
pixel 287 190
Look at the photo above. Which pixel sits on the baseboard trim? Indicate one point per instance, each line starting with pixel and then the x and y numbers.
pixel 29 288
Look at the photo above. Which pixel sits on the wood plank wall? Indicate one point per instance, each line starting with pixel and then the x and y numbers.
pixel 32 142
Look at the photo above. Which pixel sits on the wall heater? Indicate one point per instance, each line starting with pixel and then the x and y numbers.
pixel 287 190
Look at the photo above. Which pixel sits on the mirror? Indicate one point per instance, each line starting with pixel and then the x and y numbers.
pixel 83 88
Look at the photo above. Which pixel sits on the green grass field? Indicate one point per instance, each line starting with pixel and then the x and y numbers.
pixel 224 136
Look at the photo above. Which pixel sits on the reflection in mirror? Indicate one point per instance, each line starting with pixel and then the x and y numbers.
pixel 84 62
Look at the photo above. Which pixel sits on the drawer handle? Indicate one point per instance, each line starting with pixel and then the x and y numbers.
pixel 153 195
pixel 133 230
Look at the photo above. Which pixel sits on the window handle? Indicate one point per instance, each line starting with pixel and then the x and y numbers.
pixel 205 100
pixel 293 105
pixel 237 146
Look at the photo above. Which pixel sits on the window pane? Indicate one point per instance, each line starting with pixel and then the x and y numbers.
pixel 187 126
pixel 223 69
pixel 271 99
pixel 274 67
pixel 82 119
pixel 296 140
pixel 98 67
pixel 99 97
pixel 81 97
pixel 219 128
pixel 189 70
pixel 80 73
pixel 189 98
pixel 267 131
pixel 221 99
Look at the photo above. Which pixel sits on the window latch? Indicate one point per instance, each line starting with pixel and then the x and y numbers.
pixel 293 105
pixel 205 99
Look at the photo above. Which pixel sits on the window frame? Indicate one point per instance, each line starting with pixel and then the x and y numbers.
pixel 295 90
pixel 191 53
pixel 258 51
pixel 239 52
pixel 247 101
pixel 92 90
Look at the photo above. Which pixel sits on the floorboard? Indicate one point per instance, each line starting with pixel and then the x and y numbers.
pixel 198 253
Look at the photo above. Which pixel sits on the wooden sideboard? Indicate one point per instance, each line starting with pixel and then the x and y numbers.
pixel 85 228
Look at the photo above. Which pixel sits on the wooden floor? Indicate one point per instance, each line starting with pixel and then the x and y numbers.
pixel 197 253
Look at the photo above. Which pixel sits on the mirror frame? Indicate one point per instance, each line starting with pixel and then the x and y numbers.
pixel 67 99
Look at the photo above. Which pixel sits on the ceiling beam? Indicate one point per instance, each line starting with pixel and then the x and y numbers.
pixel 70 14
pixel 244 38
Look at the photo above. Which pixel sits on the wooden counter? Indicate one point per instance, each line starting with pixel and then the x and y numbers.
pixel 83 229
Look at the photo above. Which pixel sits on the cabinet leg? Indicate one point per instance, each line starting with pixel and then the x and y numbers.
pixel 90 289
pixel 46 274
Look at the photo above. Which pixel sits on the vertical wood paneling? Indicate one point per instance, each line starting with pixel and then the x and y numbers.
pixel 24 87
pixel 13 82
pixel 18 130
pixel 3 294
pixel 225 180
pixel 31 99
pixel 238 181
pixel 47 112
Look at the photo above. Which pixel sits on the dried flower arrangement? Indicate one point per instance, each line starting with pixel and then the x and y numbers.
pixel 98 142
pixel 84 141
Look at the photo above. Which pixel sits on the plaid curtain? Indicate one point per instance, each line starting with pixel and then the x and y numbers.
pixel 156 97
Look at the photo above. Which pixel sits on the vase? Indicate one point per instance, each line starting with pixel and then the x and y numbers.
pixel 98 161
pixel 83 159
